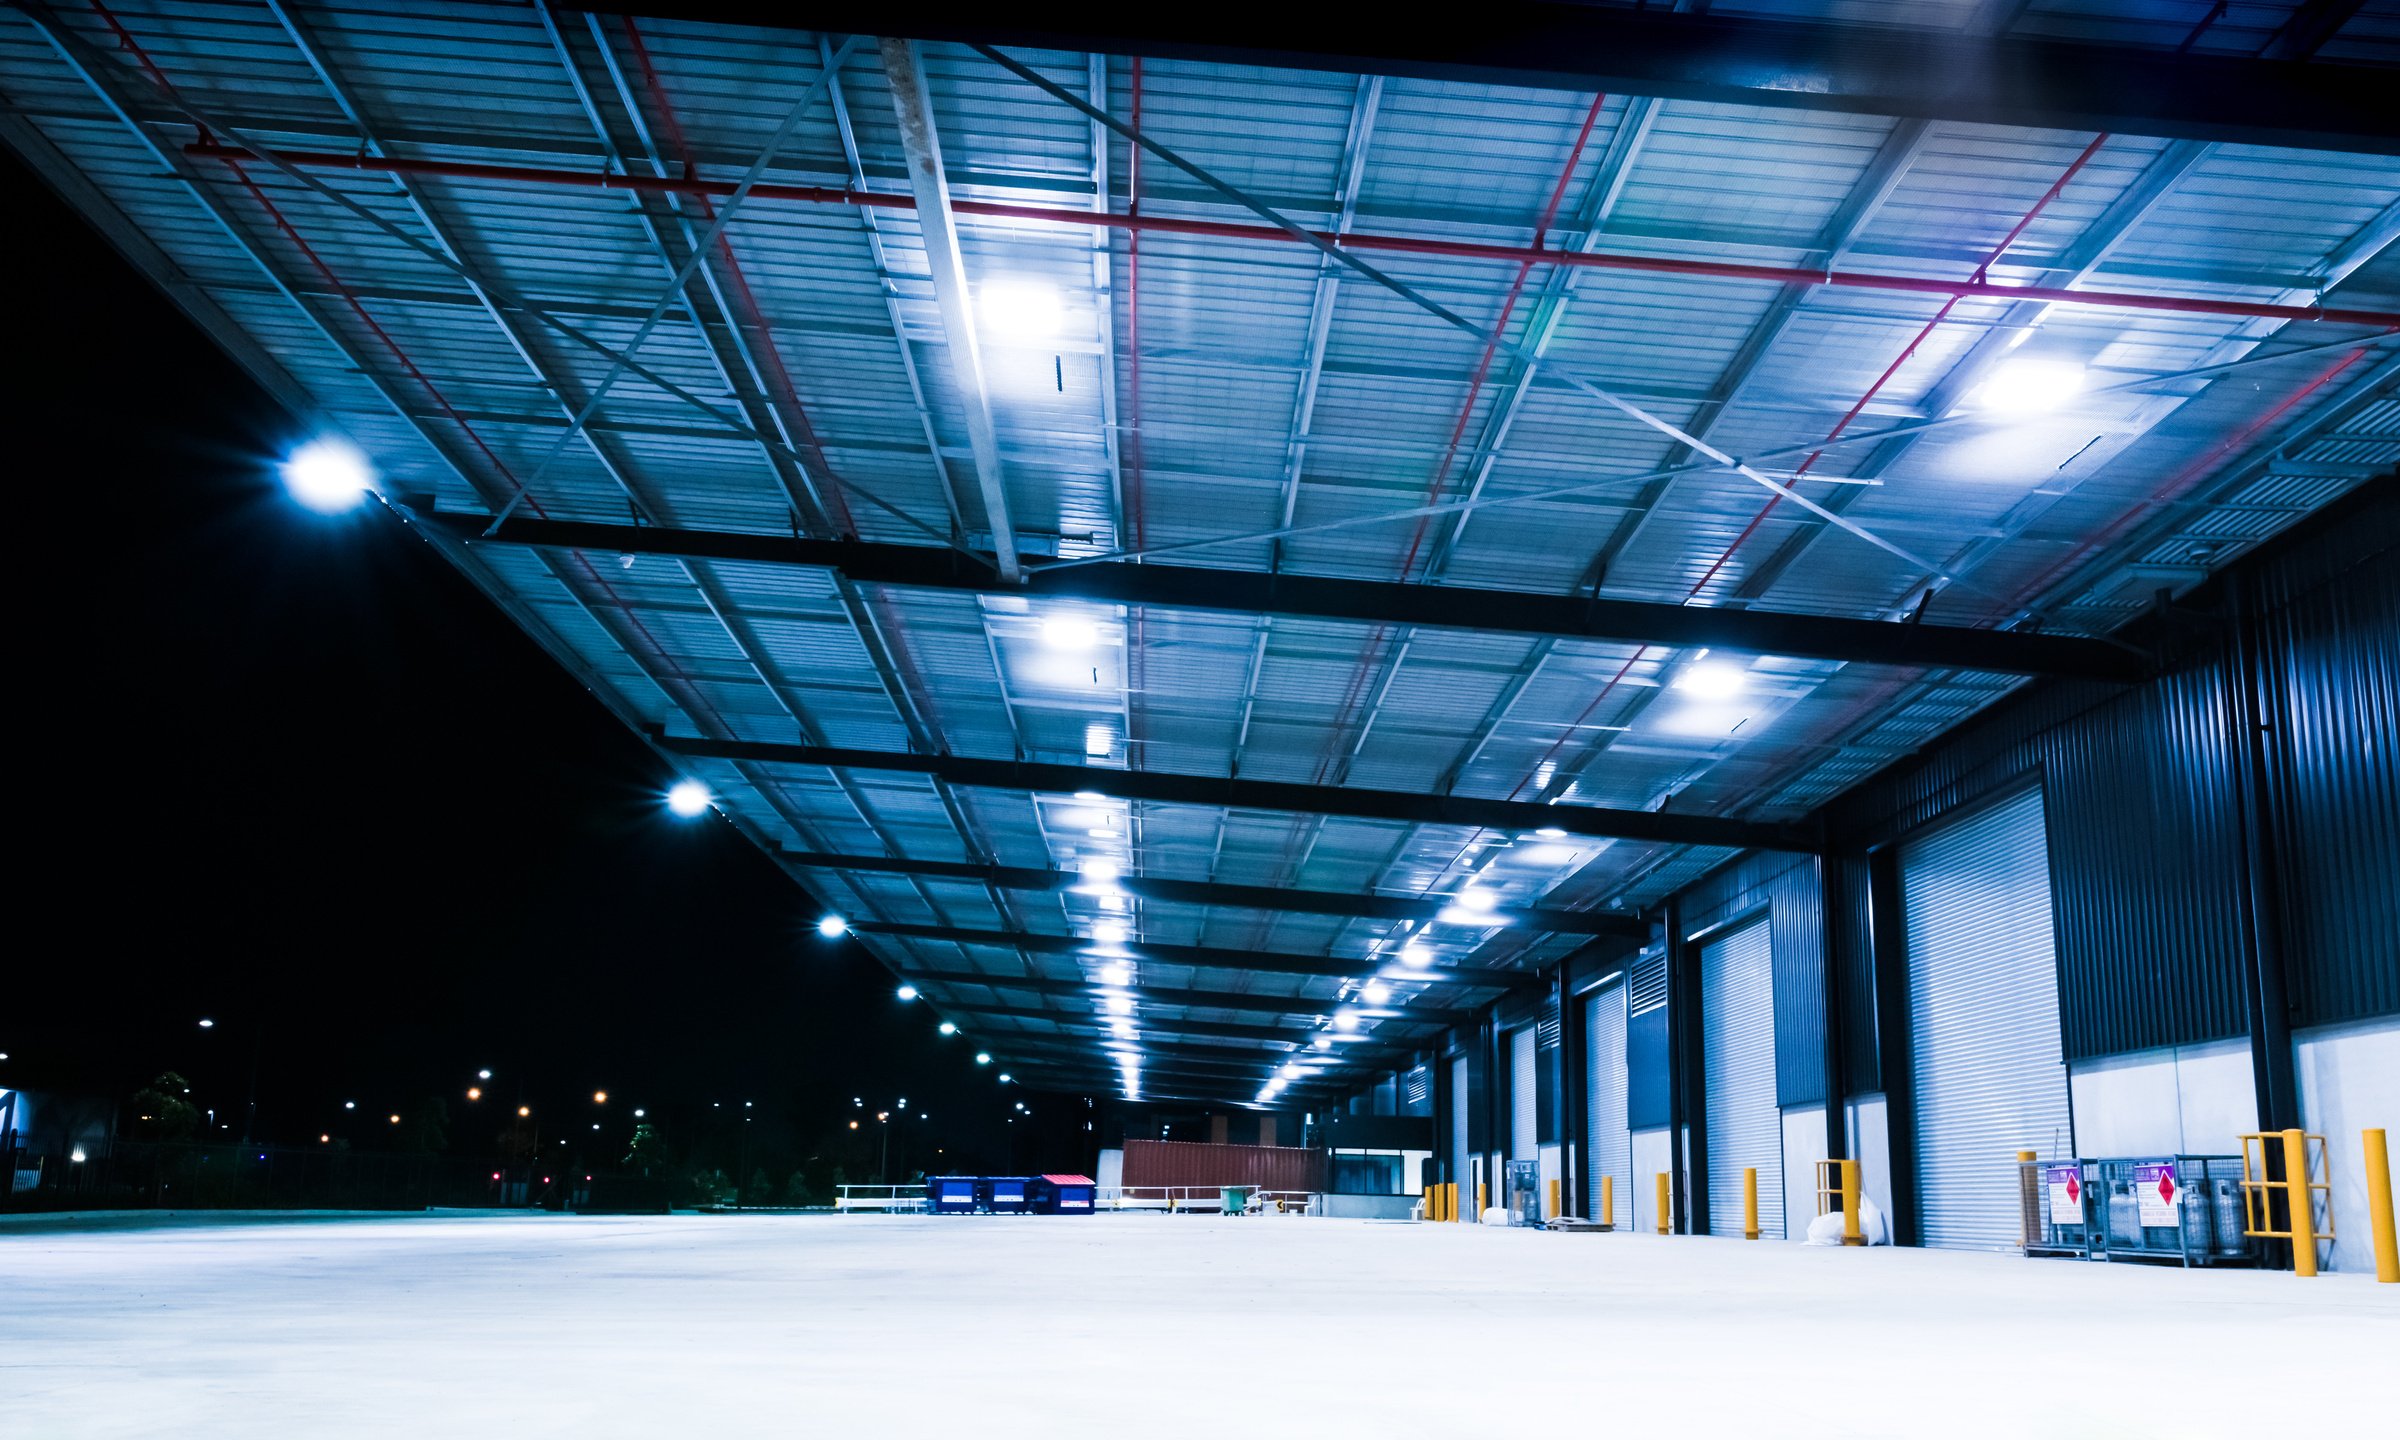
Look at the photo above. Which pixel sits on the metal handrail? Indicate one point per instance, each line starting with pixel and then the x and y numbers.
pixel 1170 1198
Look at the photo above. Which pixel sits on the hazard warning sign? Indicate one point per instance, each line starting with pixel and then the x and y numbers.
pixel 2065 1183
pixel 2158 1194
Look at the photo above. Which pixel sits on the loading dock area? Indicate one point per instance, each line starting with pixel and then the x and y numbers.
pixel 1182 1326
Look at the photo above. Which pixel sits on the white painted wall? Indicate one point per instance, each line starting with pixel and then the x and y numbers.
pixel 1649 1157
pixel 1111 1175
pixel 1552 1163
pixel 2182 1100
pixel 1803 1147
pixel 2350 1081
pixel 1871 1146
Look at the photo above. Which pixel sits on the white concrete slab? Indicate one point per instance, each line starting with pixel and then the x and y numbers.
pixel 1140 1325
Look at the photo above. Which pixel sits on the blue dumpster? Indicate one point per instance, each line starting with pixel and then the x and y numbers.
pixel 950 1194
pixel 1005 1194
pixel 1061 1194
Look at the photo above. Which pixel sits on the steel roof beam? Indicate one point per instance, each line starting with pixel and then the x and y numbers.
pixel 920 141
pixel 1656 827
pixel 1446 607
pixel 1248 1037
pixel 1208 957
pixel 1227 896
pixel 2036 83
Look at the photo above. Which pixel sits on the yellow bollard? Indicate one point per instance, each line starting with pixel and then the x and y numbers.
pixel 1482 1202
pixel 1552 1212
pixel 2304 1217
pixel 2379 1208
pixel 1749 1202
pixel 1608 1201
pixel 1425 1205
pixel 1851 1234
pixel 1450 1202
pixel 1665 1219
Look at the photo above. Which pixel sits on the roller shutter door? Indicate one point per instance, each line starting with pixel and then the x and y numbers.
pixel 1610 1138
pixel 1737 1052
pixel 1458 1135
pixel 1982 1019
pixel 1524 1096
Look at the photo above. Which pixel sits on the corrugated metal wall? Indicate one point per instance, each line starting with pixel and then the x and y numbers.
pixel 2333 666
pixel 1853 960
pixel 1646 1075
pixel 2143 790
pixel 1787 885
pixel 1186 1162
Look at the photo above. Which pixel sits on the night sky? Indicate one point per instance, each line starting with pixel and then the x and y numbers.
pixel 296 775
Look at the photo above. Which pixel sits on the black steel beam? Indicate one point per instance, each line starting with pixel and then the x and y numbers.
pixel 2036 82
pixel 1220 792
pixel 1211 957
pixel 1225 896
pixel 1449 607
pixel 1301 1005
pixel 1262 1037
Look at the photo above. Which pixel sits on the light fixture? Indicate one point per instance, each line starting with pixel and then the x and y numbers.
pixel 638 1114
pixel 1376 992
pixel 1069 632
pixel 353 1105
pixel 1116 975
pixel 2028 385
pixel 908 992
pixel 1097 740
pixel 1019 311
pixel 1109 932
pixel 983 1057
pixel 208 1024
pixel 1713 680
pixel 328 475
pixel 1551 855
pixel 395 1119
pixel 1415 956
pixel 1475 897
pixel 1119 1005
pixel 1345 1020
pixel 1101 872
pixel 599 1097
pixel 688 798
pixel 1551 832
pixel 483 1074
pixel 1322 1042
pixel 474 1092
pixel 833 927
pixel 1089 796
pixel 1122 1029
pixel 1006 1078
pixel 523 1111
pixel 948 1028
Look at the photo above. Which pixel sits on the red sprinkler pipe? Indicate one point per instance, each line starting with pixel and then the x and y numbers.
pixel 1358 240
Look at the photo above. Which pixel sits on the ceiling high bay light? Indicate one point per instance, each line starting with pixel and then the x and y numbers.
pixel 328 475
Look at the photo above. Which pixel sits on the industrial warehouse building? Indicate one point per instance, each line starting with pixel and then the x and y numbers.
pixel 1655 595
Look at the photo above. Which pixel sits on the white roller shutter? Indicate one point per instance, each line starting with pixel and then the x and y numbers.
pixel 1522 1095
pixel 1737 1051
pixel 1609 1138
pixel 1982 1018
pixel 1458 1135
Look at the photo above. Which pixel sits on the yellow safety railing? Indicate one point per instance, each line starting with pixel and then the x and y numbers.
pixel 2299 1187
pixel 1829 1186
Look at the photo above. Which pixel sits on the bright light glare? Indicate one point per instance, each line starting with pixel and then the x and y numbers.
pixel 1005 1077
pixel 1119 1005
pixel 833 927
pixel 1345 1020
pixel 1101 872
pixel 1550 855
pixel 328 476
pixel 908 992
pixel 1122 1029
pixel 1116 975
pixel 1376 992
pixel 948 1028
pixel 1097 740
pixel 1018 311
pixel 208 1024
pixel 1713 680
pixel 1416 956
pixel 1551 832
pixel 483 1074
pixel 2029 385
pixel 983 1057
pixel 688 798
pixel 1069 632
pixel 1109 932
pixel 1475 897
pixel 1323 1042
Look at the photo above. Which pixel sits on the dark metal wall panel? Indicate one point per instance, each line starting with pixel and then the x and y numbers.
pixel 1185 1162
pixel 1646 1073
pixel 1854 979
pixel 2333 660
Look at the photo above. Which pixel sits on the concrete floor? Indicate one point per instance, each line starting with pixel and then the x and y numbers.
pixel 1142 1326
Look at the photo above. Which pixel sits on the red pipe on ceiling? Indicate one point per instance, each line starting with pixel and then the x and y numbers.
pixel 1357 240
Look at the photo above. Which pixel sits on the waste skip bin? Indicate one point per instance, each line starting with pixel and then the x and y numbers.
pixel 1005 1194
pixel 950 1194
pixel 1237 1199
pixel 1060 1194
